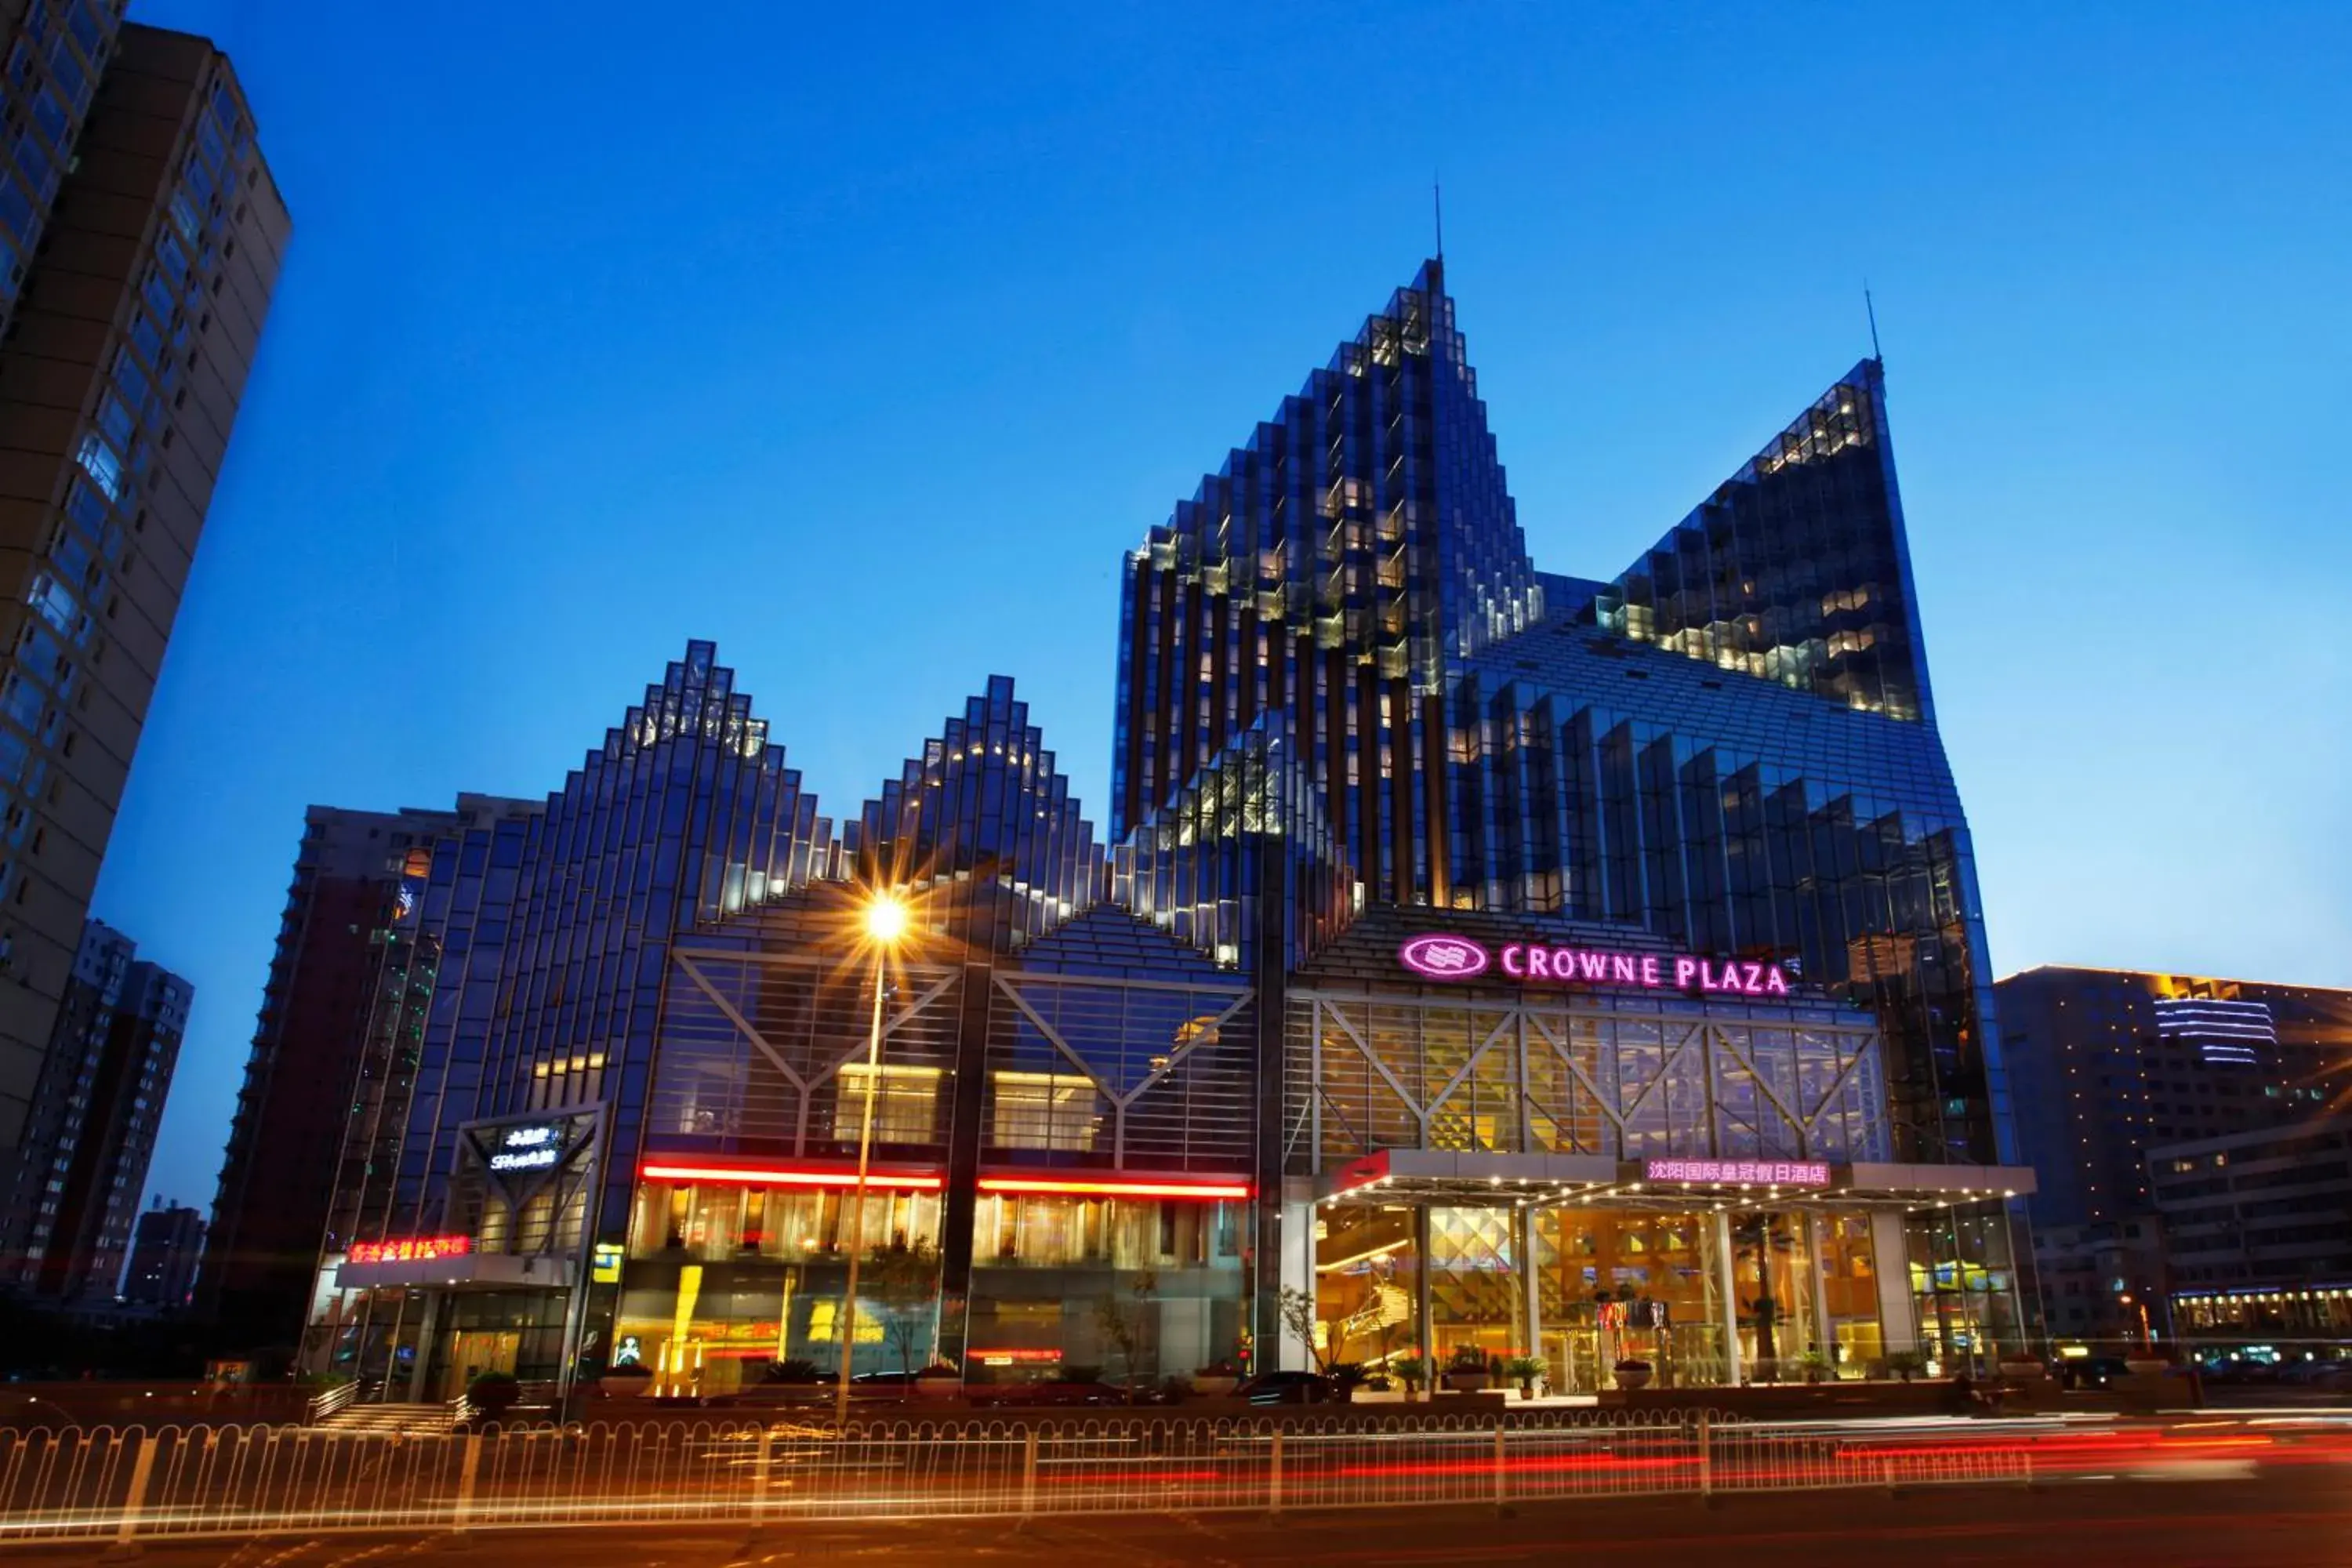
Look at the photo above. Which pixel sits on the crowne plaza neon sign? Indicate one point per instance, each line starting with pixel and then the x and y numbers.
pixel 1443 956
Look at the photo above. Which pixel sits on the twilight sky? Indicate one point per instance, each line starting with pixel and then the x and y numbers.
pixel 863 340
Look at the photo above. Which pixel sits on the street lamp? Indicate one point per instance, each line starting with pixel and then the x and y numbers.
pixel 884 921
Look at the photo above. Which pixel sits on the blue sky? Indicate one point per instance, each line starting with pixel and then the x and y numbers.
pixel 864 340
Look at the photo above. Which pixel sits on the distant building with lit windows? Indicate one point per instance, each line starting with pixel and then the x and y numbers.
pixel 2258 1231
pixel 2108 1063
pixel 1503 959
pixel 164 1247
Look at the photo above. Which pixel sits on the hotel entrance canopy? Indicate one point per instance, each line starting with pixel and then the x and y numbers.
pixel 1480 1179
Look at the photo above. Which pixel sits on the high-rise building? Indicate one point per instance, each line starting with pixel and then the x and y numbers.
pixel 54 55
pixel 338 1017
pixel 80 1172
pixel 1498 958
pixel 127 348
pixel 2109 1063
pixel 164 1247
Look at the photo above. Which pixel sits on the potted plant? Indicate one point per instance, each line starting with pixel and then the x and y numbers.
pixel 794 1370
pixel 1411 1371
pixel 1524 1370
pixel 1633 1372
pixel 1217 1379
pixel 1816 1367
pixel 1907 1364
pixel 1466 1371
pixel 1347 1376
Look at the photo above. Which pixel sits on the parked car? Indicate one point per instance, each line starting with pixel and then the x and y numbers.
pixel 1051 1392
pixel 1288 1388
pixel 881 1384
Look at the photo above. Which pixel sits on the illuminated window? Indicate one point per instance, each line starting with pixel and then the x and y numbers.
pixel 906 1103
pixel 1044 1111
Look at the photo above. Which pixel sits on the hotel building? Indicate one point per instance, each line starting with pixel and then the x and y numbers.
pixel 1584 968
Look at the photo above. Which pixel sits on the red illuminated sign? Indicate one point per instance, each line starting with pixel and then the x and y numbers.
pixel 768 1173
pixel 410 1249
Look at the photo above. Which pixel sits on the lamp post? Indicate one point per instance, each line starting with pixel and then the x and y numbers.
pixel 886 922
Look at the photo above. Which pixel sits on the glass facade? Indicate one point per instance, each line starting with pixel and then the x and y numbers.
pixel 1351 715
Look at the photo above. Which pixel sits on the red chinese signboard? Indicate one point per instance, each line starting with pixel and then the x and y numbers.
pixel 411 1249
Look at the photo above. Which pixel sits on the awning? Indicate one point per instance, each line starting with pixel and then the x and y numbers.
pixel 481 1271
pixel 1473 1180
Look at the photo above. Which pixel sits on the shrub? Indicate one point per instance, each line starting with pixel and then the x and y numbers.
pixel 1525 1368
pixel 1467 1358
pixel 1631 1364
pixel 493 1394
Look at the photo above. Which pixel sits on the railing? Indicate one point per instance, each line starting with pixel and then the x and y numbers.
pixel 127 1485
pixel 326 1401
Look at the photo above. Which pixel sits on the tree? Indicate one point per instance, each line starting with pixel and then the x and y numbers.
pixel 902 1281
pixel 1122 1324
pixel 1298 1316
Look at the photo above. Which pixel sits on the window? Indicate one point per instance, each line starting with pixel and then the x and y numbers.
pixel 34 160
pixel 906 1103
pixel 98 461
pixel 67 71
pixel 87 30
pixel 16 208
pixel 1044 1110
pixel 115 419
pixel 50 599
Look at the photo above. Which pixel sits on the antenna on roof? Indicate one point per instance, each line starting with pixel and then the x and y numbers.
pixel 1872 310
pixel 1437 202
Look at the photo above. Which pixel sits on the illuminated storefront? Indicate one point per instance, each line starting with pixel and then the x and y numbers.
pixel 1676 1162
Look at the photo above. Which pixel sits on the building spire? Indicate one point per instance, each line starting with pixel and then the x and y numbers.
pixel 1871 311
pixel 1437 203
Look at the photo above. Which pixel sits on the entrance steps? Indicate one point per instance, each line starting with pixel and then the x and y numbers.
pixel 410 1420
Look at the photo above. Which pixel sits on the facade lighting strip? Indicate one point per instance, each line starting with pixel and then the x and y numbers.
pixel 1117 1188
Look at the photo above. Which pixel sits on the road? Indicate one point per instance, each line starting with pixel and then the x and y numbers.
pixel 2274 1519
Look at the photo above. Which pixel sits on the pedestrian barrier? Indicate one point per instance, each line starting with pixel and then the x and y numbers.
pixel 126 1485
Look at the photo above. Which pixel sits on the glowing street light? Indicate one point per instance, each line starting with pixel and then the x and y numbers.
pixel 886 918
pixel 885 921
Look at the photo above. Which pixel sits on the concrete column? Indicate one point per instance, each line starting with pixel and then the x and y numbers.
pixel 1425 1332
pixel 420 1367
pixel 1890 1261
pixel 1297 1273
pixel 1824 1332
pixel 1726 1277
pixel 1523 1242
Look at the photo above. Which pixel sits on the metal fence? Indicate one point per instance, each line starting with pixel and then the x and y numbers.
pixel 126 1485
